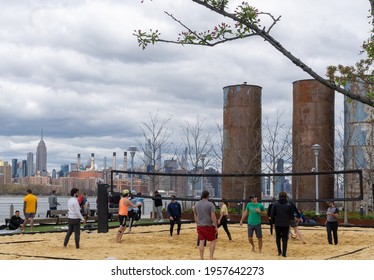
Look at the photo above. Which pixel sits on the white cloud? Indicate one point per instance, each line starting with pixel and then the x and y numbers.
pixel 74 68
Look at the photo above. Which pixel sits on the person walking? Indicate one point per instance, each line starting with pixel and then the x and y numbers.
pixel 123 212
pixel 222 220
pixel 206 221
pixel 53 203
pixel 174 210
pixel 74 218
pixel 281 214
pixel 331 223
pixel 271 223
pixel 253 211
pixel 30 206
pixel 158 206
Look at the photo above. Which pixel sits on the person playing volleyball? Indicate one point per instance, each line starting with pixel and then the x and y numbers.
pixel 254 210
pixel 205 218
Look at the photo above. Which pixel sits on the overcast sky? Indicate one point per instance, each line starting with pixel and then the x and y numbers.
pixel 74 69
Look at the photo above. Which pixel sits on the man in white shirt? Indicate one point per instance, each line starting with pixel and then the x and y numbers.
pixel 74 218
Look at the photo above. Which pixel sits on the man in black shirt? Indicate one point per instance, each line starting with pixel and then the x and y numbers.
pixel 281 214
pixel 15 221
pixel 175 214
pixel 158 205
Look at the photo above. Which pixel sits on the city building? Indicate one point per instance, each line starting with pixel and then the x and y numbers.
pixel 41 158
pixel 30 164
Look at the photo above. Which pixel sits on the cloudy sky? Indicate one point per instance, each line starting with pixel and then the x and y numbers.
pixel 74 69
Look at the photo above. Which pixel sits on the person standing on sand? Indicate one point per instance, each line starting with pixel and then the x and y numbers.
pixel 254 210
pixel 222 220
pixel 331 223
pixel 281 215
pixel 175 214
pixel 158 206
pixel 205 218
pixel 74 218
pixel 123 212
pixel 30 206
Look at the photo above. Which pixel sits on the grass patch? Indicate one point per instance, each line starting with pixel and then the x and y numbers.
pixel 63 227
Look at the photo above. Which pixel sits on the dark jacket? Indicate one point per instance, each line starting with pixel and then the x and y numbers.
pixel 282 213
pixel 158 200
pixel 174 209
pixel 15 222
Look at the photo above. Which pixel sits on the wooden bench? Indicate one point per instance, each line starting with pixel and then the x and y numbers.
pixel 56 217
pixel 45 221
pixel 113 215
pixel 59 212
pixel 61 217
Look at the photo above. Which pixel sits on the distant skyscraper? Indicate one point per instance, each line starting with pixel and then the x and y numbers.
pixel 14 167
pixel 184 160
pixel 54 174
pixel 24 168
pixel 30 164
pixel 148 152
pixel 64 170
pixel 41 157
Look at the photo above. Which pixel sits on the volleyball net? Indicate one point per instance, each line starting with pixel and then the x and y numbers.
pixel 303 187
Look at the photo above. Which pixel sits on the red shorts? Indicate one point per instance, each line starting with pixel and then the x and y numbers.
pixel 206 233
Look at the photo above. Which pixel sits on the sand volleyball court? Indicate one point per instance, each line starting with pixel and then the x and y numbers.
pixel 154 243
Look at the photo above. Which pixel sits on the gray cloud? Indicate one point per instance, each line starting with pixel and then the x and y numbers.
pixel 74 69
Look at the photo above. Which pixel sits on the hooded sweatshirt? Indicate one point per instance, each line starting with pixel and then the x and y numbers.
pixel 281 213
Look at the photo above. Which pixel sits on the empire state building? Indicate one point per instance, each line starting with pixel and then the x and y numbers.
pixel 41 158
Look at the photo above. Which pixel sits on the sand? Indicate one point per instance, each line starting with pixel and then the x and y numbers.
pixel 154 243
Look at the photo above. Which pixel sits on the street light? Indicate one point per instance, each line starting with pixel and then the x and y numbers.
pixel 132 150
pixel 202 157
pixel 316 148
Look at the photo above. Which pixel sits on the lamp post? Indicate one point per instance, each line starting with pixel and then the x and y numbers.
pixel 202 157
pixel 132 151
pixel 316 148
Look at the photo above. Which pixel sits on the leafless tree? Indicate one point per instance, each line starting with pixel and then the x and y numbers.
pixel 154 144
pixel 217 146
pixel 198 143
pixel 276 145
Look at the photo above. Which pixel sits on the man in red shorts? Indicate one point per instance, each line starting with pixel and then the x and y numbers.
pixel 205 218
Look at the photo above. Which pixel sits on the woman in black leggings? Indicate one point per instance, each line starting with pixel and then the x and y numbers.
pixel 222 221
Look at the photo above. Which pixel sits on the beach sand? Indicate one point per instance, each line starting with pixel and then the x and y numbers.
pixel 154 243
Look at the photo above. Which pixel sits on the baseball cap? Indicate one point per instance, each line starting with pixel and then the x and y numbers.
pixel 252 196
pixel 126 191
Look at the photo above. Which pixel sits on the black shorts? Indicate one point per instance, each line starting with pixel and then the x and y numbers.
pixel 293 223
pixel 122 220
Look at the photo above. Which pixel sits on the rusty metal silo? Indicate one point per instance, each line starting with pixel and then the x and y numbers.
pixel 241 140
pixel 313 123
